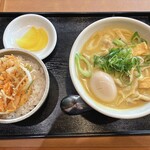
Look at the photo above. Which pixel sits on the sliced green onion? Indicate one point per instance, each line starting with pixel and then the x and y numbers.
pixel 119 42
pixel 136 62
pixel 86 73
pixel 136 39
pixel 118 61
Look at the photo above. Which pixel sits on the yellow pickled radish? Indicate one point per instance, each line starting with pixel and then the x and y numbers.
pixel 43 39
pixel 34 39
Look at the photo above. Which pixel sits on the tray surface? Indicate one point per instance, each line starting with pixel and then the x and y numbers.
pixel 50 121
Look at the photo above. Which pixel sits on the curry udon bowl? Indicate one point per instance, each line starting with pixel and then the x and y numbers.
pixel 110 22
pixel 31 95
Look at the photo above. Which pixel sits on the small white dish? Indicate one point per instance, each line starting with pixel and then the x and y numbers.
pixel 20 25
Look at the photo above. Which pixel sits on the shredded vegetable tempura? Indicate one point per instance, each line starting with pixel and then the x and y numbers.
pixel 15 83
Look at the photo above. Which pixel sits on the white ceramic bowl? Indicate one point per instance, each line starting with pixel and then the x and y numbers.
pixel 129 23
pixel 20 25
pixel 31 57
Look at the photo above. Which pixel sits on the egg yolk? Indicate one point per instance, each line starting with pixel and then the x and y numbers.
pixel 34 39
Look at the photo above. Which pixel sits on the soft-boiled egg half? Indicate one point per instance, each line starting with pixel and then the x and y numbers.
pixel 103 86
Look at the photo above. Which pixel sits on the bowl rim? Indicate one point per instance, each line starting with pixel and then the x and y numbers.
pixel 48 50
pixel 101 108
pixel 46 90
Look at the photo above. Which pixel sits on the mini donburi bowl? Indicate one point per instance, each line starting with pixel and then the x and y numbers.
pixel 29 57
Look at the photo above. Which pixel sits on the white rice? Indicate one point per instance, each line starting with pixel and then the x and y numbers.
pixel 38 88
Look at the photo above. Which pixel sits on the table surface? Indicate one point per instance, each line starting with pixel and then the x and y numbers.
pixel 88 143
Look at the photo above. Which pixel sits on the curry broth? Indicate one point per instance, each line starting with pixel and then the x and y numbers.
pixel 98 44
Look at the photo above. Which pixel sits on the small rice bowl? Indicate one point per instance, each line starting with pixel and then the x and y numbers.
pixel 40 87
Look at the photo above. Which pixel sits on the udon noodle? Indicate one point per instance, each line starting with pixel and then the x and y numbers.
pixel 125 56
